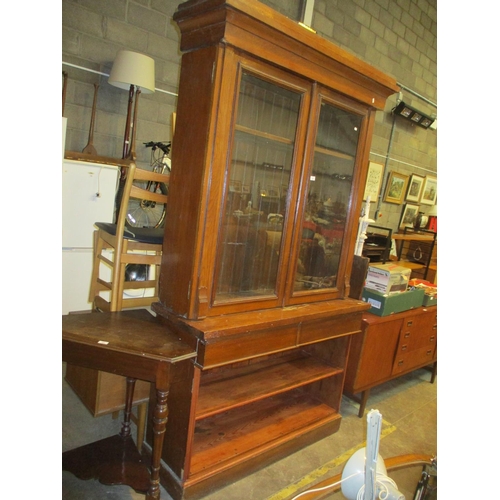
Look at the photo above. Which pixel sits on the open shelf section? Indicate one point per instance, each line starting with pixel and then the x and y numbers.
pixel 229 438
pixel 252 382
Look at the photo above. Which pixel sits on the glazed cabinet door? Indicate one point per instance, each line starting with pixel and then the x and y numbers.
pixel 287 218
pixel 259 188
pixel 328 203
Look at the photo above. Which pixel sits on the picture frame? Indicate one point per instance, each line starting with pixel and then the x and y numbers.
pixel 235 186
pixel 408 215
pixel 396 188
pixel 429 191
pixel 373 181
pixel 415 188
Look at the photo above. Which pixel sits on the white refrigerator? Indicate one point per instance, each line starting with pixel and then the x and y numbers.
pixel 88 196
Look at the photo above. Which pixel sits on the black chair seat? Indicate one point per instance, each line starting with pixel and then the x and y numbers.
pixel 140 234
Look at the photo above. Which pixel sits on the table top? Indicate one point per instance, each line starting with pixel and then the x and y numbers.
pixel 133 332
pixel 414 237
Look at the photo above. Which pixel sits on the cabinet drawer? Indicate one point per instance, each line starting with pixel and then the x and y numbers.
pixel 412 341
pixel 413 359
pixel 418 332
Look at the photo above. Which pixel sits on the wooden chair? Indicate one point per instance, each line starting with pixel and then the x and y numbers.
pixel 127 246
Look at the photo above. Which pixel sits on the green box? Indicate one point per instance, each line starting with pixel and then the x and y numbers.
pixel 383 304
pixel 430 300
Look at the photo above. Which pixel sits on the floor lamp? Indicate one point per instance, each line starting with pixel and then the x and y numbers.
pixel 135 72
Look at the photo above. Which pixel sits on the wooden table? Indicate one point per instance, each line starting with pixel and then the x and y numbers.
pixel 132 344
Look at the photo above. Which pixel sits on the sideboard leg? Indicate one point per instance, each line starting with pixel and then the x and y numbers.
pixel 362 403
pixel 434 372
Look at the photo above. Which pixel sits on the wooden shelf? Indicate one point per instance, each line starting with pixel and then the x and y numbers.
pixel 227 439
pixel 333 152
pixel 263 135
pixel 256 381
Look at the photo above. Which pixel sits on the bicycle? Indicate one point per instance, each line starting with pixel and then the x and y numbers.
pixel 144 213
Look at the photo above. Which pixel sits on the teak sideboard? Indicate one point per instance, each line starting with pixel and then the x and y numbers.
pixel 269 162
pixel 389 347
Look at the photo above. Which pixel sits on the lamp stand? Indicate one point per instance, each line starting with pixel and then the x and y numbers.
pixel 131 153
pixel 126 137
pixel 128 145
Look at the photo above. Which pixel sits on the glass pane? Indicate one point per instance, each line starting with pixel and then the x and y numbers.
pixel 290 8
pixel 328 198
pixel 258 181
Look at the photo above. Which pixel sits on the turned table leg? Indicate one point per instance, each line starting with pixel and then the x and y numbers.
pixel 159 427
pixel 129 397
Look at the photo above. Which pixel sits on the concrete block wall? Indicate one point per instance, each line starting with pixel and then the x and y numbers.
pixel 398 37
pixel 92 34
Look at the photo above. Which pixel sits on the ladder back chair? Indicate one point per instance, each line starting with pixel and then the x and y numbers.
pixel 127 245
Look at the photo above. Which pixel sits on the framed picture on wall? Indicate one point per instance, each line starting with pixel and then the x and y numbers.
pixel 396 188
pixel 373 181
pixel 429 191
pixel 415 188
pixel 408 215
pixel 235 186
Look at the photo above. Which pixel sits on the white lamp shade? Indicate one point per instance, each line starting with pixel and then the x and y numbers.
pixel 133 68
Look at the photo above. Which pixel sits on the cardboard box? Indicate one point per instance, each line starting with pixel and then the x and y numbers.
pixel 386 278
pixel 383 304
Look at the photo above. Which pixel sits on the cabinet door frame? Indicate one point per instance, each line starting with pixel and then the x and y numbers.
pixel 312 97
pixel 341 290
pixel 218 194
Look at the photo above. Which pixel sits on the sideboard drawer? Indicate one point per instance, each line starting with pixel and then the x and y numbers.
pixel 408 360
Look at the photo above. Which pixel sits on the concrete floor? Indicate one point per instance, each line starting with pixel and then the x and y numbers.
pixel 409 411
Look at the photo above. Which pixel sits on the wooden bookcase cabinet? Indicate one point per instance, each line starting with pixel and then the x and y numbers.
pixel 389 347
pixel 272 114
pixel 261 388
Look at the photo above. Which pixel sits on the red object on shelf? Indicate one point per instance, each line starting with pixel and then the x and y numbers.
pixel 433 223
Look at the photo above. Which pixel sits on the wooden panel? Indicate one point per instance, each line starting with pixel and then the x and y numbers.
pixel 103 392
pixel 313 331
pixel 248 345
pixel 84 382
pixel 372 355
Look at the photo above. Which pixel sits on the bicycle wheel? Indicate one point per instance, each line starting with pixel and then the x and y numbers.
pixel 144 213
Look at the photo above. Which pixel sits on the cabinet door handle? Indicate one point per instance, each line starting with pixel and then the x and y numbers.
pixel 400 363
pixel 407 334
pixel 432 338
pixel 404 347
pixel 434 327
pixel 429 352
pixel 409 323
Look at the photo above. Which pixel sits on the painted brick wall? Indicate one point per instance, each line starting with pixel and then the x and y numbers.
pixel 397 36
